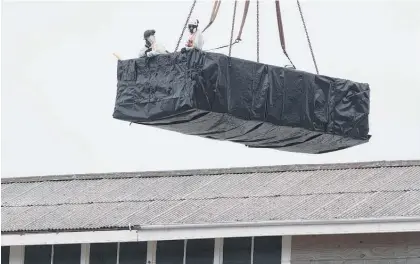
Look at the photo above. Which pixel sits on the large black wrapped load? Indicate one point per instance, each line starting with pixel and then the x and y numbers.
pixel 258 105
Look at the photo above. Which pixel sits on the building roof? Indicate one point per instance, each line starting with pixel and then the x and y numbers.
pixel 291 193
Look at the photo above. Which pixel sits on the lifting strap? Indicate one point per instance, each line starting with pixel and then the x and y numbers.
pixel 238 38
pixel 246 7
pixel 213 14
pixel 281 32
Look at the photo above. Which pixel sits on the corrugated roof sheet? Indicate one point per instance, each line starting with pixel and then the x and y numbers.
pixel 290 193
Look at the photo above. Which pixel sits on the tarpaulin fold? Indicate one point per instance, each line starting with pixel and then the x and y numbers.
pixel 258 105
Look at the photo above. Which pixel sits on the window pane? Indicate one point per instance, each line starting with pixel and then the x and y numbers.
pixel 170 252
pixel 38 254
pixel 267 250
pixel 237 250
pixel 200 251
pixel 103 253
pixel 67 254
pixel 5 251
pixel 133 253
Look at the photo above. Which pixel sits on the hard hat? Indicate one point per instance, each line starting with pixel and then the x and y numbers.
pixel 193 22
pixel 149 33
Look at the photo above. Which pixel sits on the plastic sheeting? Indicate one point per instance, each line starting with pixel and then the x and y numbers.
pixel 258 105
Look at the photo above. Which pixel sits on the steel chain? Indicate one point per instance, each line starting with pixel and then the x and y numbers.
pixel 307 36
pixel 225 46
pixel 258 31
pixel 287 56
pixel 233 27
pixel 185 26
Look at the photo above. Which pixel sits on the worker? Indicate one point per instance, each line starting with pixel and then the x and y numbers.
pixel 195 41
pixel 151 47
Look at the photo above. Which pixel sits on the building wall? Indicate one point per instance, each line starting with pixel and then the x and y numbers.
pixel 394 248
pixel 247 250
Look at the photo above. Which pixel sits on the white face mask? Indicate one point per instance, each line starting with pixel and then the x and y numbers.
pixel 192 29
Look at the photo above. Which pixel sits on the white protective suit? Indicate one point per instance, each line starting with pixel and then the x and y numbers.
pixel 154 48
pixel 196 40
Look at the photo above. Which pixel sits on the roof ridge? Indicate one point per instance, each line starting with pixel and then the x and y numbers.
pixel 210 198
pixel 215 171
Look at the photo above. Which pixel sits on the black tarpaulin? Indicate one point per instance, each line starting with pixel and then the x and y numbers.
pixel 258 105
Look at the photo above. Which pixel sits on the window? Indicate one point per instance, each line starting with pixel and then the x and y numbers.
pixel 237 250
pixel 38 254
pixel 67 254
pixel 267 250
pixel 100 253
pixel 63 254
pixel 133 253
pixel 200 251
pixel 170 252
pixel 264 250
pixel 5 251
pixel 103 253
pixel 242 250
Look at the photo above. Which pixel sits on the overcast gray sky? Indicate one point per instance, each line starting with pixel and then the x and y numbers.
pixel 59 80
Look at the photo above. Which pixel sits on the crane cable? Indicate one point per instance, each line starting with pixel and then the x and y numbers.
pixel 307 36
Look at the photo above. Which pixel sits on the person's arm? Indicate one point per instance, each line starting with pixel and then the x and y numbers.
pixel 152 53
pixel 158 50
pixel 198 41
pixel 142 52
pixel 161 49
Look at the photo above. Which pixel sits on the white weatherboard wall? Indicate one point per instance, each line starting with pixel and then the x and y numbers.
pixel 393 248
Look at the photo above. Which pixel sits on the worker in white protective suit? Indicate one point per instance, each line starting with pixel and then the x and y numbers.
pixel 151 47
pixel 195 41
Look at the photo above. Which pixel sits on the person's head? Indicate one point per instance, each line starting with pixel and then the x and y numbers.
pixel 149 36
pixel 193 25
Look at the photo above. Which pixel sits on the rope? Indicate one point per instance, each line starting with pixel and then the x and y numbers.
pixel 233 27
pixel 307 36
pixel 258 31
pixel 186 23
pixel 116 56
